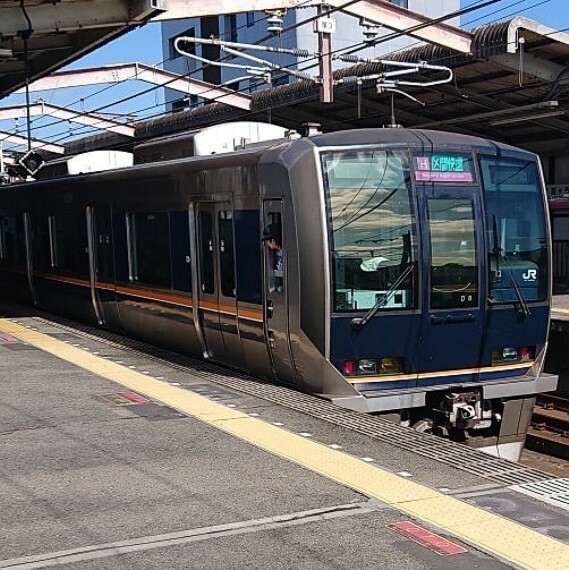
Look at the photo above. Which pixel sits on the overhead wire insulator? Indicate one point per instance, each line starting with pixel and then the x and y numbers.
pixel 275 25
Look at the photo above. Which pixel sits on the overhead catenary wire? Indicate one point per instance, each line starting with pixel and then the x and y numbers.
pixel 297 24
pixel 290 27
pixel 219 99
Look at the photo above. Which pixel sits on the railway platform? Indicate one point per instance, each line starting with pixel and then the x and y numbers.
pixel 117 455
pixel 557 360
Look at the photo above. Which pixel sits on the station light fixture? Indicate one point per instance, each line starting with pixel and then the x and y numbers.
pixel 25 165
pixel 31 162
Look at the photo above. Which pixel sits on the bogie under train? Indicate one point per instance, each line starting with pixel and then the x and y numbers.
pixel 410 272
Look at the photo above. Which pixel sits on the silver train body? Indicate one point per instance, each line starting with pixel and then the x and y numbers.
pixel 415 276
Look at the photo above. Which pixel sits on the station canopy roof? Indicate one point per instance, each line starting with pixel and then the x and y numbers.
pixel 57 32
pixel 510 81
pixel 513 86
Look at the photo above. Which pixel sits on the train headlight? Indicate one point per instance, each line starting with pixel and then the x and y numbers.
pixel 511 354
pixel 367 366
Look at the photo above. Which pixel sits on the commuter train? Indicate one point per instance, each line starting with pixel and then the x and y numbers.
pixel 414 273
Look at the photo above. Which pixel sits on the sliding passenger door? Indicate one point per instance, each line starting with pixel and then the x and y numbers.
pixel 453 317
pixel 216 282
pixel 276 318
pixel 101 270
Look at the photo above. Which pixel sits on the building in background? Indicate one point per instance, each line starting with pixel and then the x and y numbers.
pixel 297 26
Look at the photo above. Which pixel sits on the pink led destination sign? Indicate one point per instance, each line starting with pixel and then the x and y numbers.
pixel 451 167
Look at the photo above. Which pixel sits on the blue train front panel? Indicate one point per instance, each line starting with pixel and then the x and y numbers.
pixel 439 264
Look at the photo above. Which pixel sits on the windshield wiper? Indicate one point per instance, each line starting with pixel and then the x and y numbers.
pixel 522 309
pixel 359 323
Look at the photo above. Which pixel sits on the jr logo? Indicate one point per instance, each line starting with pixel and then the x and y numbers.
pixel 530 275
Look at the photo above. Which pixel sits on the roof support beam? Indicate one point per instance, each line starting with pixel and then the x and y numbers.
pixel 182 9
pixel 54 17
pixel 35 143
pixel 377 11
pixel 400 19
pixel 153 75
pixel 517 25
pixel 38 109
pixel 530 65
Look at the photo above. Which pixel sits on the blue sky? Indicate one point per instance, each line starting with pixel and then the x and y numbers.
pixel 145 45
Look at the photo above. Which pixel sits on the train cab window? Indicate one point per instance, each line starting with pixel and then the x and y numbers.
pixel 68 243
pixel 453 266
pixel 226 253
pixel 274 252
pixel 516 237
pixel 149 248
pixel 372 230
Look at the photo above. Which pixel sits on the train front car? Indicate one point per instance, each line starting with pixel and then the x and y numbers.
pixel 437 280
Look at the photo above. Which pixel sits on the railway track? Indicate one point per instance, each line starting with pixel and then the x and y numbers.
pixel 549 429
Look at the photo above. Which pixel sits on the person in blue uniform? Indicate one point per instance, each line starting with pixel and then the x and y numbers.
pixel 272 239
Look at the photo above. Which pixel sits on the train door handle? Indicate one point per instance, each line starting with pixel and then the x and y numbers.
pixel 270 309
pixel 452 319
pixel 271 340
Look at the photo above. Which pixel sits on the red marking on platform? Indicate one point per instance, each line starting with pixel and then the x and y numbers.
pixel 133 397
pixel 435 542
pixel 8 338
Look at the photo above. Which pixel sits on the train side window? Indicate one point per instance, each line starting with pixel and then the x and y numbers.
pixel 12 243
pixel 41 247
pixel 68 243
pixel 226 253
pixel 205 230
pixel 248 248
pixel 149 248
pixel 3 236
pixel 180 246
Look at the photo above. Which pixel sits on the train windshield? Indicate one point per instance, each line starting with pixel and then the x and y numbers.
pixel 372 229
pixel 516 230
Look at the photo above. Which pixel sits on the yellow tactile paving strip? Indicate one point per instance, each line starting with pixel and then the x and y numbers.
pixel 504 538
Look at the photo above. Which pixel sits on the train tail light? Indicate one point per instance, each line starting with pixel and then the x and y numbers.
pixel 524 353
pixel 350 367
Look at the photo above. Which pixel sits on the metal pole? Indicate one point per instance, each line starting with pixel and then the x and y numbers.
pixel 27 72
pixel 325 60
pixel 25 35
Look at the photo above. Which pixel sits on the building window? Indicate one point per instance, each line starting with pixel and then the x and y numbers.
pixel 187 46
pixel 250 19
pixel 402 3
pixel 230 31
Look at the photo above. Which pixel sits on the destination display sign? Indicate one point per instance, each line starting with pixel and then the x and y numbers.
pixel 443 167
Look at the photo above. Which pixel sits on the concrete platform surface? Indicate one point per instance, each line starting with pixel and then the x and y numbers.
pixel 109 459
